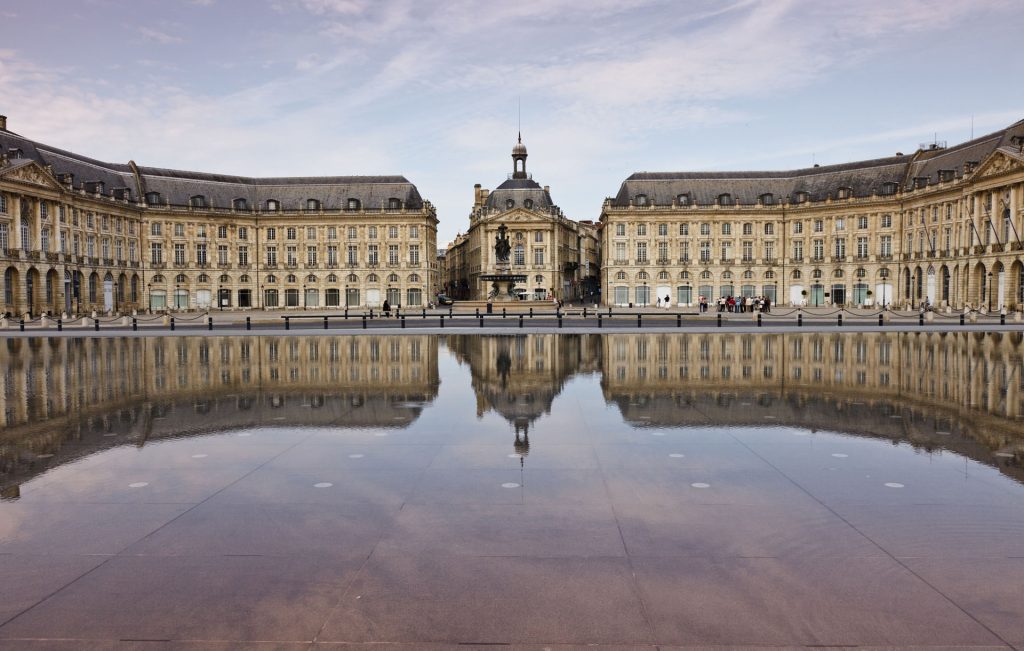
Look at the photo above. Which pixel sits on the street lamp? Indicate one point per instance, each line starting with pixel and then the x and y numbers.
pixel 115 297
pixel 220 296
pixel 303 296
pixel 990 291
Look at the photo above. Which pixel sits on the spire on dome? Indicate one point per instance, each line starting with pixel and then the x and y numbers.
pixel 519 159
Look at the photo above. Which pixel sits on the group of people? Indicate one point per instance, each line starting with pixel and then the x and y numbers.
pixel 739 304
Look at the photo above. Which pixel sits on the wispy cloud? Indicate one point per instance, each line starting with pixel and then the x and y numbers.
pixel 157 36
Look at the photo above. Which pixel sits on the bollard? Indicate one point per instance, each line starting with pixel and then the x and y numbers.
pixel 503 313
pixel 346 313
pixel 520 320
pixel 209 323
pixel 96 325
pixel 599 320
pixel 60 325
pixel 135 323
pixel 639 320
pixel 584 311
pixel 172 323
pixel 961 318
pixel 1002 318
pixel 248 323
pixel 758 319
pixel 325 323
pixel 839 321
pixel 609 310
pixel 288 323
pixel 559 320
pixel 364 322
pixel 478 312
pixel 481 317
pixel 679 321
pixel 21 324
pixel 424 313
pixel 531 311
pixel 799 319
pixel 920 319
pixel 403 321
pixel 442 320
pixel 881 322
pixel 371 312
pixel 719 319
pixel 449 311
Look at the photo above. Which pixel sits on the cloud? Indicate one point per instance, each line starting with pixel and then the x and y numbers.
pixel 156 36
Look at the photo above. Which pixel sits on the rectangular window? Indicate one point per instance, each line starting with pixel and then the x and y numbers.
pixel 726 228
pixel 769 229
pixel 119 249
pixel 271 234
pixel 885 245
pixel 538 256
pixel 371 232
pixel 63 242
pixel 392 254
pixel 840 247
pixel 44 239
pixel 372 255
pixel 332 233
pixel 76 241
pixel 684 229
pixel 155 229
pixel 798 227
pixel 684 251
pixel 131 250
pixel 291 233
pixel 243 233
pixel 105 247
pixel 3 205
pixel 179 229
pixel 353 255
pixel 705 251
pixel 620 230
pixel 414 254
pixel 291 256
pixel 392 232
pixel 862 222
pixel 798 249
pixel 222 254
pixel 662 230
pixel 641 252
pixel 840 224
pixel 311 232
pixel 272 255
pixel 222 232
pixel 620 253
pixel 4 237
pixel 641 229
pixel 819 249
pixel 332 255
pixel 705 229
pixel 352 232
pixel 748 251
pixel 769 251
pixel 311 256
pixel 886 221
pixel 862 247
pixel 201 254
pixel 179 254
pixel 662 252
pixel 243 255
pixel 201 231
pixel 414 232
pixel 819 226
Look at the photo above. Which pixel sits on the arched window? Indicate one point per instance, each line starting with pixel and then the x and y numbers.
pixel 414 278
pixel 705 275
pixel 290 278
pixel 181 278
pixel 331 278
pixel 394 204
pixel 685 275
pixel 157 279
pixel 683 200
pixel 538 279
pixel 799 197
pixel 769 275
pixel 662 275
pixel 352 278
pixel 224 278
pixel 883 273
pixel 509 203
pixel 861 272
pixel 767 199
pixel 392 278
pixel 838 273
pixel 271 278
pixel 244 278
pixel 748 274
pixel 372 278
pixel 816 273
pixel 152 198
pixel 796 274
pixel 311 278
pixel 519 254
pixel 203 278
pixel 642 275
pixel 620 275
pixel 844 193
pixel 726 275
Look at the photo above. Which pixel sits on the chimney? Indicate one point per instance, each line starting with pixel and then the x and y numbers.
pixel 476 195
pixel 547 188
pixel 3 123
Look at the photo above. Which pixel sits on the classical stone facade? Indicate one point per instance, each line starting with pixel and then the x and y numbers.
pixel 556 255
pixel 941 225
pixel 80 235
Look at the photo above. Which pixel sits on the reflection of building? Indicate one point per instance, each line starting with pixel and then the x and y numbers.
pixel 958 391
pixel 556 255
pixel 518 377
pixel 78 234
pixel 942 224
pixel 64 398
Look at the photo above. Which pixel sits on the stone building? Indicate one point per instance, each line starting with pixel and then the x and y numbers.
pixel 556 255
pixel 941 225
pixel 79 235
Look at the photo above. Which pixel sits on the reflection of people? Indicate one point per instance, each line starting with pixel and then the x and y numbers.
pixel 387 308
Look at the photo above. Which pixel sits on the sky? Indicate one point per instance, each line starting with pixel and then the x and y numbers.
pixel 436 91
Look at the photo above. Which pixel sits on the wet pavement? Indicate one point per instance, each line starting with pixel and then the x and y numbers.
pixel 613 491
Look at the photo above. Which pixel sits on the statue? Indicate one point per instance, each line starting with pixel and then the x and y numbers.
pixel 502 248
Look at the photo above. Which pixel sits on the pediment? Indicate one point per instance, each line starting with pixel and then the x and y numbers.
pixel 518 216
pixel 30 173
pixel 998 164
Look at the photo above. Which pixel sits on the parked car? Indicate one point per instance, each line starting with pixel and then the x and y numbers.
pixel 444 300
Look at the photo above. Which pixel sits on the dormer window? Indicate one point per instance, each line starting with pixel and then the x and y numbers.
pixel 528 203
pixel 152 198
pixel 947 175
pixel 240 204
pixel 725 200
pixel 920 182
pixel 888 189
pixel 122 194
pixel 510 203
pixel 352 204
pixel 14 153
pixel 767 199
pixel 394 204
pixel 683 200
pixel 312 204
pixel 197 201
pixel 273 205
pixel 844 193
pixel 640 200
pixel 800 197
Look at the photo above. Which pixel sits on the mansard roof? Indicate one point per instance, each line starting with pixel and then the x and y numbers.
pixel 861 178
pixel 519 190
pixel 177 187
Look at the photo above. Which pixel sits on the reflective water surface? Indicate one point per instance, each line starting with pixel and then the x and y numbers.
pixel 620 489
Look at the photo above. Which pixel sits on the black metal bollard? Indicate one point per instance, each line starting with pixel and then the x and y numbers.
pixel 403 321
pixel 364 322
pixel 442 320
pixel 248 323
pixel 881 321
pixel 477 312
pixel 961 318
pixel 719 320
pixel 209 323
pixel 839 321
pixel 371 312
pixel 172 323
pixel 1002 319
pixel 920 319
pixel 559 320
pixel 325 323
pixel 503 313
pixel 759 319
pixel 96 325
pixel 679 320
pixel 135 324
pixel 424 313
pixel 60 325
pixel 799 319
pixel 531 311
pixel 449 311
pixel 584 312
pixel 288 323
pixel 481 317
pixel 520 320
pixel 599 323
pixel 609 310
pixel 639 320
pixel 21 324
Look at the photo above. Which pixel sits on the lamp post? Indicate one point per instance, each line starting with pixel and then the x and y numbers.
pixel 303 296
pixel 115 297
pixel 220 296
pixel 990 291
pixel 177 287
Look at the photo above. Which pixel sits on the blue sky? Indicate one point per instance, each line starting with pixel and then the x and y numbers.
pixel 430 89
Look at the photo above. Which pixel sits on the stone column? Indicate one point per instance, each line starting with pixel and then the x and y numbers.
pixel 16 222
pixel 976 206
pixel 1014 202
pixel 36 230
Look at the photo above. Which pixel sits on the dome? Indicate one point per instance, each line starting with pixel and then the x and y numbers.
pixel 519 149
